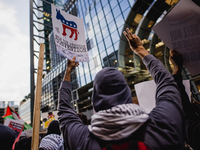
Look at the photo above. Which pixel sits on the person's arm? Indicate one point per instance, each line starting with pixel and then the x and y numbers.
pixel 135 44
pixel 165 127
pixel 71 64
pixel 166 87
pixel 76 135
pixel 177 61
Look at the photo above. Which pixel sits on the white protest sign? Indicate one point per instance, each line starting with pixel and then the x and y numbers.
pixel 17 126
pixel 180 30
pixel 69 35
pixel 145 92
pixel 7 121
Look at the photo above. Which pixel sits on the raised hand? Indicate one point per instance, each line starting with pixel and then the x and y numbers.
pixel 71 64
pixel 135 43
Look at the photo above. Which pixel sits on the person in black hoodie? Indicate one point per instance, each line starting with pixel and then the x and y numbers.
pixel 117 122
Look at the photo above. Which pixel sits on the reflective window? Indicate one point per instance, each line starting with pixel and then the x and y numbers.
pixel 110 50
pixel 106 9
pixel 87 18
pixel 113 3
pixel 91 34
pixel 105 32
pixel 115 36
pixel 98 60
pixel 89 26
pixel 112 27
pixel 101 46
pixel 93 73
pixel 124 4
pixel 126 12
pixel 107 42
pixel 98 7
pixel 81 71
pixel 116 11
pixel 93 12
pixel 93 42
pixel 113 60
pixel 103 23
pixel 91 64
pixel 88 79
pixel 116 46
pixel 104 2
pixel 131 2
pixel 97 28
pixel 90 54
pixel 95 20
pixel 120 29
pixel 99 37
pixel 103 55
pixel 119 21
pixel 86 67
pixel 82 81
pixel 109 17
pixel 105 62
pixel 98 69
pixel 95 51
pixel 100 15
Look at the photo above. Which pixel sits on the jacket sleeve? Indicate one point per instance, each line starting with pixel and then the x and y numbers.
pixel 166 86
pixel 76 135
pixel 166 129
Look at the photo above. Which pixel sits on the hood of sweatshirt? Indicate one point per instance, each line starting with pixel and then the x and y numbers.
pixel 110 89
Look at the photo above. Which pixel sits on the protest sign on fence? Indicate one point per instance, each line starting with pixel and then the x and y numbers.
pixel 69 35
pixel 47 117
pixel 147 100
pixel 180 30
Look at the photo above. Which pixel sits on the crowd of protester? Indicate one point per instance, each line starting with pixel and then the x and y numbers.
pixel 117 123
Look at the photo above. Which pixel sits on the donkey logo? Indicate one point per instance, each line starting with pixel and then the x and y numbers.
pixel 72 26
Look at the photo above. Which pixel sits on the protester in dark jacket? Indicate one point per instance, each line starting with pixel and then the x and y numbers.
pixel 24 143
pixel 117 121
pixel 7 137
pixel 192 119
pixel 53 140
pixel 54 128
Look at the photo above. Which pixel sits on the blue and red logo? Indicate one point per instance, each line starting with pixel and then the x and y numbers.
pixel 71 25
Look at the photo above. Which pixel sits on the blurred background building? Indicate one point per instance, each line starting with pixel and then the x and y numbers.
pixel 24 111
pixel 104 22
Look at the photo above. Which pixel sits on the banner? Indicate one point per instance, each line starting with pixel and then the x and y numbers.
pixel 69 35
pixel 180 30
pixel 47 117
pixel 17 126
pixel 147 99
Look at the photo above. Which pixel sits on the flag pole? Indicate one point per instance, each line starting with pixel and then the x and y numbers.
pixel 36 115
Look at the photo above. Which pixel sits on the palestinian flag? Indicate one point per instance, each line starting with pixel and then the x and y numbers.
pixel 26 126
pixel 14 115
pixel 8 113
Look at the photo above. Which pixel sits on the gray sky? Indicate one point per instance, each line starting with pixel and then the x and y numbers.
pixel 15 51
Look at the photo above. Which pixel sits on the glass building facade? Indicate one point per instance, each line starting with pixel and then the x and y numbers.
pixel 25 111
pixel 104 22
pixel 45 28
